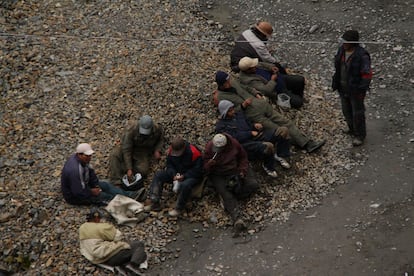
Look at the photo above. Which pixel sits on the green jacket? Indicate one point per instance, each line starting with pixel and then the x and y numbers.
pixel 134 144
pixel 259 83
pixel 259 111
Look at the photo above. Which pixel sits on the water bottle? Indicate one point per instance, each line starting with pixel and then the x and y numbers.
pixel 176 184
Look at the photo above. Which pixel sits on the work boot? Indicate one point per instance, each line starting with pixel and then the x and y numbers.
pixel 174 212
pixel 150 205
pixel 270 172
pixel 356 142
pixel 240 225
pixel 312 145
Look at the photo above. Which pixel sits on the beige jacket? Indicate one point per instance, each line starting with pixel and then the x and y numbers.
pixel 100 241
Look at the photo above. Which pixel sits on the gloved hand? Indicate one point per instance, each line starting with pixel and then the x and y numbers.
pixel 282 132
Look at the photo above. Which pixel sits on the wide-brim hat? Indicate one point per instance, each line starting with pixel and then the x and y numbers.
pixel 265 28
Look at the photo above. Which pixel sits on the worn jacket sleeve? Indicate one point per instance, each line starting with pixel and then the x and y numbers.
pixel 366 72
pixel 208 154
pixel 266 88
pixel 127 147
pixel 262 51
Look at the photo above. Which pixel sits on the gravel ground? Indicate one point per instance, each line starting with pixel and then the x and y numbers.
pixel 81 71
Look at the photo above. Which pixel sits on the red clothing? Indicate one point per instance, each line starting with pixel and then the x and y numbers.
pixel 232 159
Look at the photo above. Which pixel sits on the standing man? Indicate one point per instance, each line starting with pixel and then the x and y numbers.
pixel 139 144
pixel 185 168
pixel 81 186
pixel 352 78
pixel 227 166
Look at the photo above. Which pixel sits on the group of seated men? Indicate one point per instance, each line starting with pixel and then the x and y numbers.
pixel 249 128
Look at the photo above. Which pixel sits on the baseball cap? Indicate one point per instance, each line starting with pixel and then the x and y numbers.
pixel 247 63
pixel 219 141
pixel 145 125
pixel 84 148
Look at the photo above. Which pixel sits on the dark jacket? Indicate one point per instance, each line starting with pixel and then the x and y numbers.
pixel 238 127
pixel 73 188
pixel 189 164
pixel 232 160
pixel 250 44
pixel 358 67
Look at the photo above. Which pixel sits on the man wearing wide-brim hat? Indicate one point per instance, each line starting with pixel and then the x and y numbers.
pixel 252 43
pixel 352 78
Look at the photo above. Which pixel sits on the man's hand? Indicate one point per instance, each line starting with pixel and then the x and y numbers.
pixel 96 191
pixel 211 162
pixel 282 132
pixel 157 155
pixel 258 126
pixel 247 102
pixel 273 77
pixel 254 133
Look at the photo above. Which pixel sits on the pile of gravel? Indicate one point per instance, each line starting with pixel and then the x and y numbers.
pixel 81 71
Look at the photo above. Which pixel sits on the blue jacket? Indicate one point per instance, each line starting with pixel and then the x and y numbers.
pixel 238 127
pixel 71 183
pixel 189 164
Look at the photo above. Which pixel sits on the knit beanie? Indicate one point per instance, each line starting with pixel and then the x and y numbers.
pixel 221 78
pixel 223 107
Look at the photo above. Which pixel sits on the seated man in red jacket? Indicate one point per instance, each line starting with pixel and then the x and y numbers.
pixel 185 165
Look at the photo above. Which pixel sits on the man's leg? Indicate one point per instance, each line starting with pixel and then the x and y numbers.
pixel 347 111
pixel 230 202
pixel 250 185
pixel 139 255
pixel 184 191
pixel 358 118
pixel 142 164
pixel 109 191
pixel 157 184
pixel 120 258
pixel 116 166
pixel 296 84
pixel 298 137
